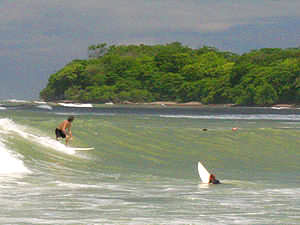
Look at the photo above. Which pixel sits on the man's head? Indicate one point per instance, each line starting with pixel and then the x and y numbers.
pixel 71 118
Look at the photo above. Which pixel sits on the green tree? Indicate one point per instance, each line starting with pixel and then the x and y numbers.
pixel 176 72
pixel 169 84
pixel 96 51
pixel 265 95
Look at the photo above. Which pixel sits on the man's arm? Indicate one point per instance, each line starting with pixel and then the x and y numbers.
pixel 69 125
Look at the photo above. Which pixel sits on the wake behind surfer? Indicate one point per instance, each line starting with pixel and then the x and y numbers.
pixel 213 180
pixel 60 131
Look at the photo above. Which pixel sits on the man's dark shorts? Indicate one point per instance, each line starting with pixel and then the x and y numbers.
pixel 59 133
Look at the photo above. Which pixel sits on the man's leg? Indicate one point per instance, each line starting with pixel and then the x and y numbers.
pixel 67 139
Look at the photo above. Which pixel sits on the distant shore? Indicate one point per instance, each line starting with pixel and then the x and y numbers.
pixel 157 103
pixel 199 104
pixel 170 104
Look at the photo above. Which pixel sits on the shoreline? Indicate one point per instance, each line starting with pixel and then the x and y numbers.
pixel 178 104
pixel 71 103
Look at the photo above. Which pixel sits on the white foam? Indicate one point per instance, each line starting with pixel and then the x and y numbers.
pixel 87 105
pixel 290 117
pixel 53 144
pixel 44 107
pixel 9 126
pixel 10 163
pixel 17 101
pixel 75 186
pixel 39 102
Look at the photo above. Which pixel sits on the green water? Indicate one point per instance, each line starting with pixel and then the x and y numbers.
pixel 143 171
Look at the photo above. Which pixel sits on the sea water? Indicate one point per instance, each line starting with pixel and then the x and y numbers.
pixel 143 169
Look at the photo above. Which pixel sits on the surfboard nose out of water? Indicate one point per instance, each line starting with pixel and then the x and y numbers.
pixel 205 176
pixel 203 173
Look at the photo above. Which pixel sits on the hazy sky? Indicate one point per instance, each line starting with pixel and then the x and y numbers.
pixel 38 37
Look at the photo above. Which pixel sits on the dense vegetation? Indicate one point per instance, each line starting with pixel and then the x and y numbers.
pixel 173 72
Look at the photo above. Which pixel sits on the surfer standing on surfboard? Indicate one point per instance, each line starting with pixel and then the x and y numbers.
pixel 60 131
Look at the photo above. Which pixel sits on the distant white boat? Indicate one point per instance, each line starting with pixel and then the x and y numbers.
pixel 87 105
pixel 109 103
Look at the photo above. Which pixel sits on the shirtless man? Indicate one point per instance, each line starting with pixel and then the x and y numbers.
pixel 60 131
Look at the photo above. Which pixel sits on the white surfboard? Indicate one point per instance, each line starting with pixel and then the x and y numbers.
pixel 81 149
pixel 203 173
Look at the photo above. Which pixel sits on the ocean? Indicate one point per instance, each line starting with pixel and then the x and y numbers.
pixel 143 169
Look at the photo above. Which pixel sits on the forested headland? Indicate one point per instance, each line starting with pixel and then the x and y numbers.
pixel 173 72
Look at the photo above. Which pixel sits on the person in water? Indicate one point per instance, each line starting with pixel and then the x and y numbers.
pixel 213 180
pixel 60 131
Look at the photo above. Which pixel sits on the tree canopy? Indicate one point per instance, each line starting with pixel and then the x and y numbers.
pixel 173 72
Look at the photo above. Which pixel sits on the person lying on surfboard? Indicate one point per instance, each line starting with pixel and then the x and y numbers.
pixel 60 131
pixel 213 180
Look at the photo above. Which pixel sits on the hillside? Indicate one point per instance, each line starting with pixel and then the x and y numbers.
pixel 173 72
